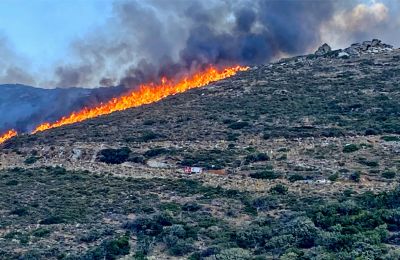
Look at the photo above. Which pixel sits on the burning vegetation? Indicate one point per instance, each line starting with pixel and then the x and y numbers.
pixel 144 94
pixel 9 134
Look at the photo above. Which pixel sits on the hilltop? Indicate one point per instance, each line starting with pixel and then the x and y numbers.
pixel 284 146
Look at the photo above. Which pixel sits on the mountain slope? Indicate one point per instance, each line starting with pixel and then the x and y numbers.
pixel 299 97
pixel 300 160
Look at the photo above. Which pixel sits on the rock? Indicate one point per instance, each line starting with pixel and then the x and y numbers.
pixel 324 49
pixel 343 55
pixel 76 154
pixel 375 42
pixel 156 164
pixel 365 45
pixel 352 51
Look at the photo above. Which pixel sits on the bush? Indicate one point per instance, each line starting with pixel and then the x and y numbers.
pixel 355 176
pixel 155 152
pixel 391 138
pixel 191 206
pixel 114 156
pixel 368 163
pixel 279 189
pixel 233 254
pixel 333 177
pixel 150 226
pixel 12 183
pixel 265 175
pixel 180 248
pixel 41 232
pixel 117 247
pixel 388 175
pixel 295 177
pixel 238 125
pixel 148 135
pixel 260 157
pixel 52 220
pixel 31 160
pixel 19 212
pixel 349 148
pixel 109 249
pixel 265 203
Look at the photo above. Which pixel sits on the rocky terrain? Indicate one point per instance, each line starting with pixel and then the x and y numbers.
pixel 284 146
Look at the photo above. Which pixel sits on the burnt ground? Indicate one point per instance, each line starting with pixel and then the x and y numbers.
pixel 309 134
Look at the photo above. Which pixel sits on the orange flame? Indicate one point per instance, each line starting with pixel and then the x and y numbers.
pixel 145 94
pixel 10 134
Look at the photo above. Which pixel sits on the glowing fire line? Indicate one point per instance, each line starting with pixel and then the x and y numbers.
pixel 145 94
pixel 8 135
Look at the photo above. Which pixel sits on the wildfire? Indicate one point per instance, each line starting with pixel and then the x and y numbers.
pixel 10 134
pixel 145 94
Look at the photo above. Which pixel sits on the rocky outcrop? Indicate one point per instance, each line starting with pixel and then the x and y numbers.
pixel 374 46
pixel 355 50
pixel 324 49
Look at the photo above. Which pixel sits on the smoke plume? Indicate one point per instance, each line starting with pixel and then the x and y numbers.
pixel 144 40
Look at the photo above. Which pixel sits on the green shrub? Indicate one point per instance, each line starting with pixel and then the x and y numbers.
pixel 238 125
pixel 349 148
pixel 259 157
pixel 155 152
pixel 265 203
pixel 279 189
pixel 52 220
pixel 265 175
pixel 391 138
pixel 19 212
pixel 368 163
pixel 12 183
pixel 117 247
pixel 191 207
pixel 148 135
pixel 114 156
pixel 180 248
pixel 333 177
pixel 31 160
pixel 355 176
pixel 295 177
pixel 233 254
pixel 388 175
pixel 41 232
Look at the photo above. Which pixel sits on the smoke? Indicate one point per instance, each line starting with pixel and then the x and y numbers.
pixel 11 65
pixel 144 40
pixel 363 21
pixel 147 40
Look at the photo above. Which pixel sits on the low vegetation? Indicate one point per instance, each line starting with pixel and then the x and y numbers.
pixel 330 227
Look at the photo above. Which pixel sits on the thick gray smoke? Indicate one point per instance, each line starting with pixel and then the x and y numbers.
pixel 150 39
pixel 146 39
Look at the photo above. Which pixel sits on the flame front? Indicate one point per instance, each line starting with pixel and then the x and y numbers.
pixel 8 135
pixel 145 94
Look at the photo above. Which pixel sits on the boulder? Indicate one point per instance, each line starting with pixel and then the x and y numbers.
pixel 343 55
pixel 324 49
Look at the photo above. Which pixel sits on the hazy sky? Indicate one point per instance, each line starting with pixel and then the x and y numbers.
pixel 42 30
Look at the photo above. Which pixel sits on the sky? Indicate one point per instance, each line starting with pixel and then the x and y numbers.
pixel 66 43
pixel 42 30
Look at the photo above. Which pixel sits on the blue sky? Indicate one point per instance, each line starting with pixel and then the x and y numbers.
pixel 42 30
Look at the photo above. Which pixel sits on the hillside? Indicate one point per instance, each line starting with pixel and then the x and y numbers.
pixel 23 107
pixel 301 160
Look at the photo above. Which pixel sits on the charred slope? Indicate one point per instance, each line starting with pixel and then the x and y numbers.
pixel 307 96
